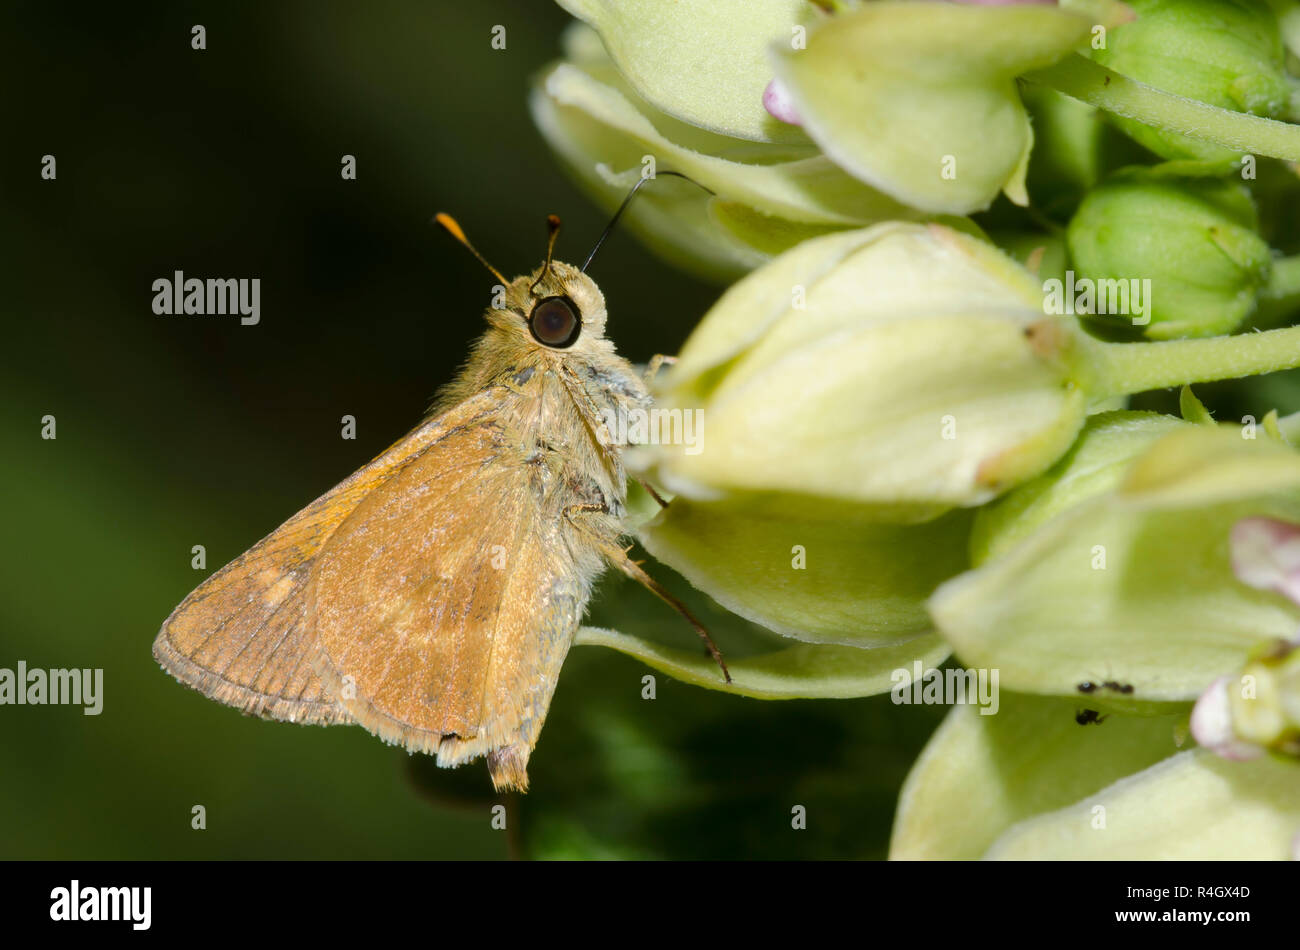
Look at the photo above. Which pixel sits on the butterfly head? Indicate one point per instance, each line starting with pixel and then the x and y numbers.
pixel 557 306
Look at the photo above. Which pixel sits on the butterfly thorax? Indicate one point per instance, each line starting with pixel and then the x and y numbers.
pixel 556 404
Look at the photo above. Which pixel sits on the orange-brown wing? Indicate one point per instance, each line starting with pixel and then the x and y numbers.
pixel 445 604
pixel 242 638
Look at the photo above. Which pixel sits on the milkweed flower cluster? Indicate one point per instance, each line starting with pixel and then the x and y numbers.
pixel 959 238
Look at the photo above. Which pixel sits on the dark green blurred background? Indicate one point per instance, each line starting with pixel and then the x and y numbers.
pixel 176 431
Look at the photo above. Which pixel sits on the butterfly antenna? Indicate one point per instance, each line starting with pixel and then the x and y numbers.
pixel 452 228
pixel 553 225
pixel 623 207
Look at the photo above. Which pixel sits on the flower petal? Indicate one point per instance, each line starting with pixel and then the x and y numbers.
pixel 1212 724
pixel 981 774
pixel 600 122
pixel 920 100
pixel 1192 806
pixel 777 101
pixel 1133 585
pixel 821 580
pixel 677 220
pixel 1096 463
pixel 807 671
pixel 703 62
pixel 1266 555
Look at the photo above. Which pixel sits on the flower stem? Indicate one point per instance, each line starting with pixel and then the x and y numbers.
pixel 1118 369
pixel 1081 78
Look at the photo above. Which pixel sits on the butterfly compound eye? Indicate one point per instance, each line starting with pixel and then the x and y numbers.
pixel 555 322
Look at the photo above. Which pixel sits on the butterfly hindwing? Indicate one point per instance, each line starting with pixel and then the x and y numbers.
pixel 446 602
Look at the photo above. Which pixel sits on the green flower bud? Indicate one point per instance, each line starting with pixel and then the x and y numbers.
pixel 761 199
pixel 903 370
pixel 920 99
pixel 1185 255
pixel 1227 54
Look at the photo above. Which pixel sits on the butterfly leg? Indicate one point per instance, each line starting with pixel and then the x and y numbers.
pixel 650 489
pixel 657 361
pixel 598 428
pixel 617 556
pixel 633 570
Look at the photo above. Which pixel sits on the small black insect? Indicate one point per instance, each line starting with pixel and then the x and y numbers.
pixel 1114 687
pixel 1085 717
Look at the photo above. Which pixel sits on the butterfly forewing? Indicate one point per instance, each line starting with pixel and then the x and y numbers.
pixel 241 637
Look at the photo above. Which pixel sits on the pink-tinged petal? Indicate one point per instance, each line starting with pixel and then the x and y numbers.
pixel 1212 724
pixel 777 101
pixel 1266 554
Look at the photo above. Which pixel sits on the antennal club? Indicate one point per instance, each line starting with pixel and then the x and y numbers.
pixel 452 228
